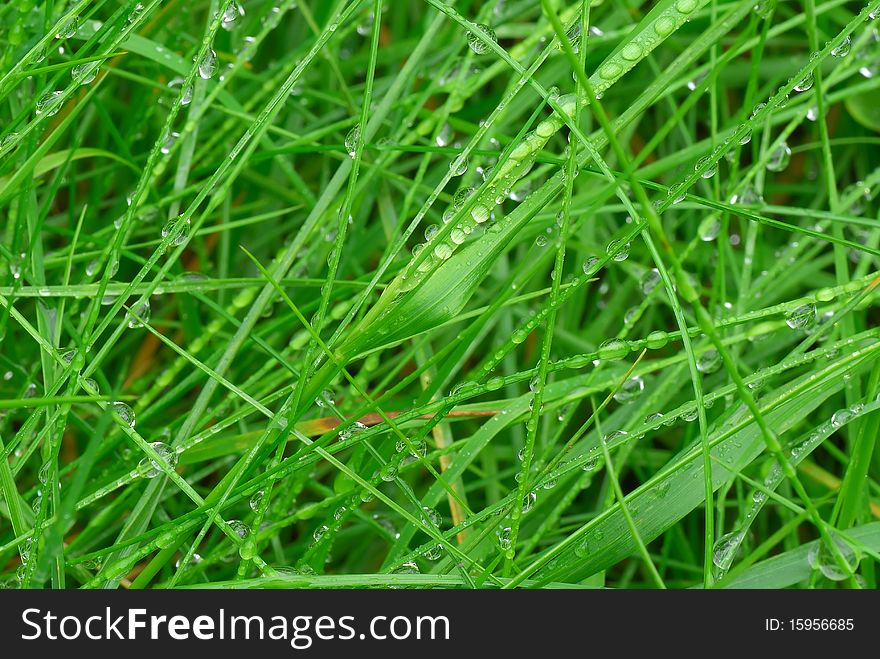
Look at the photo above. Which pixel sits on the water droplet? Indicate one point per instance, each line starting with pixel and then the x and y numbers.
pixel 541 240
pixel 320 531
pixel 504 538
pixel 433 553
pixel 709 361
pixel 615 437
pixel 255 500
pixel 409 567
pixel 613 349
pixel 68 29
pixel 169 142
pixel 821 557
pixel 432 516
pixel 84 73
pixel 802 316
pixel 180 226
pixel 458 166
pixel 843 49
pixel 208 65
pixel 591 463
pixel 135 12
pixel 140 315
pixel 725 549
pixel 805 84
pixel 124 412
pixel 657 339
pixel 186 92
pixel 239 528
pixel 649 280
pixel 476 43
pixel 152 467
pixel 326 399
pixel 591 264
pixel 709 164
pixel 529 502
pixel 48 104
pixel 389 472
pixel 841 417
pixel 654 420
pixel 461 196
pixel 618 250
pixel 352 430
pixel 231 16
pixel 444 136
pixel 630 389
pixel 351 140
pixel 43 476
pixel 709 228
pixel 780 158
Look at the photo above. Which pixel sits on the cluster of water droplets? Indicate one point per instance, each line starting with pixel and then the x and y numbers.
pixel 480 203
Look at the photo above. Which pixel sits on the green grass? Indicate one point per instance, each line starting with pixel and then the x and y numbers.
pixel 362 294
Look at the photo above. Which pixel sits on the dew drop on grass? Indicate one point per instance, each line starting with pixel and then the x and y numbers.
pixel 432 516
pixel 806 84
pixel 83 74
pixel 841 417
pixel 529 502
pixel 477 44
pixel 654 420
pixel 444 136
pixel 802 316
pixel 140 315
pixel 389 472
pixel 649 281
pixel 239 528
pixel 351 140
pixel 590 464
pixel 68 29
pixel 709 228
pixel 591 264
pixel 443 251
pixel 843 49
pixel 541 240
pixel 208 65
pixel 709 164
pixel 124 412
pixel 709 361
pixel 618 250
pixel 48 104
pixel 135 12
pixel 725 549
pixel 43 476
pixel 458 166
pixel 231 17
pixel 614 437
pixel 409 567
pixel 326 399
pixel 613 349
pixel 821 557
pixel 168 143
pixel 186 92
pixel 461 196
pixel 180 226
pixel 630 389
pixel 255 500
pixel 320 531
pixel 152 467
pixel 780 158
pixel 433 552
pixel 504 538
